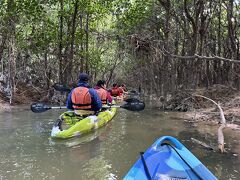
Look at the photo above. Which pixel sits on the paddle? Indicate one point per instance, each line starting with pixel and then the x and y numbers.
pixel 131 105
pixel 40 107
pixel 61 87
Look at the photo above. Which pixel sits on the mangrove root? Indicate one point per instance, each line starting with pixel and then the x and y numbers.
pixel 222 124
pixel 202 144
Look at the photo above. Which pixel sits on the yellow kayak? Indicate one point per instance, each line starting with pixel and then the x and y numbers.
pixel 70 125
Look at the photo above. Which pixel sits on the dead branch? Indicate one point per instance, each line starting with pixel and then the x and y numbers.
pixel 196 56
pixel 202 144
pixel 222 122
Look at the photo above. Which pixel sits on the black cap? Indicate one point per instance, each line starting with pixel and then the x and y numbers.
pixel 83 77
pixel 101 83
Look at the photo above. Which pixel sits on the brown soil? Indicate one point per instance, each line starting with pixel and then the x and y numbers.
pixel 204 110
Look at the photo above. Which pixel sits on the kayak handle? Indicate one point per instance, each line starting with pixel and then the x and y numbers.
pixel 171 139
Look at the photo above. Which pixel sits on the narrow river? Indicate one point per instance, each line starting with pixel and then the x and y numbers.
pixel 27 152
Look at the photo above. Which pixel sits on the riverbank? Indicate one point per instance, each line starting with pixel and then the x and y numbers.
pixel 200 109
pixel 201 112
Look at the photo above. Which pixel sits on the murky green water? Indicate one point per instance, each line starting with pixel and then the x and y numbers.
pixel 108 153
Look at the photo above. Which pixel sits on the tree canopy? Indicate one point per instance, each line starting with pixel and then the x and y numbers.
pixel 160 45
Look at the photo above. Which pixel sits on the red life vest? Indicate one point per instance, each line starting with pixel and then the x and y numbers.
pixel 102 94
pixel 115 91
pixel 121 90
pixel 81 98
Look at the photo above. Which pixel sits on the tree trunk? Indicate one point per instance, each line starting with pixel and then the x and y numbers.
pixel 71 54
pixel 60 73
pixel 81 44
pixel 231 31
pixel 2 47
pixel 87 33
pixel 11 68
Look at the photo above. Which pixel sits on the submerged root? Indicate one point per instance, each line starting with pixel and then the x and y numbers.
pixel 222 122
pixel 202 144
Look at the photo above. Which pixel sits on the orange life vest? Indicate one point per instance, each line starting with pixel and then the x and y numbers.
pixel 81 98
pixel 115 91
pixel 102 94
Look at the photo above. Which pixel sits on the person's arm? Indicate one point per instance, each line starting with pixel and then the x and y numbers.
pixel 69 101
pixel 96 101
pixel 109 97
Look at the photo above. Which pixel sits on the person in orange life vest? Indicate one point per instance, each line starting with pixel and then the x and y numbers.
pixel 115 91
pixel 102 92
pixel 84 99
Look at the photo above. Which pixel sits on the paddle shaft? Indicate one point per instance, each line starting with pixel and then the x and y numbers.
pixel 64 107
pixel 113 106
pixel 59 107
pixel 131 106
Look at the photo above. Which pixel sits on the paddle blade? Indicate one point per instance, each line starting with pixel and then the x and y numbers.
pixel 39 107
pixel 129 100
pixel 134 106
pixel 61 87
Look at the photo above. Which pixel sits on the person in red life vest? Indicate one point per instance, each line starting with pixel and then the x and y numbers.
pixel 121 90
pixel 123 87
pixel 102 92
pixel 83 99
pixel 115 91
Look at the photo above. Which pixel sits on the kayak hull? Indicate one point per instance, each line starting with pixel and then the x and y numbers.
pixel 77 126
pixel 171 160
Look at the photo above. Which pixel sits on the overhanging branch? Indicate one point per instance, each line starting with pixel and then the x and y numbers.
pixel 196 56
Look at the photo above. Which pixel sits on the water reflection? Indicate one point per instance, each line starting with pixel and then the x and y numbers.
pixel 27 152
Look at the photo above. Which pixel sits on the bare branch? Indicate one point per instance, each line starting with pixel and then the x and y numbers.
pixel 201 57
pixel 221 127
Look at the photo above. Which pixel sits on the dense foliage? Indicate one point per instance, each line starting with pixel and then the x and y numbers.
pixel 160 45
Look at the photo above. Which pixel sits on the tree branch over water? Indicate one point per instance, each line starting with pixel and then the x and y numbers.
pixel 222 124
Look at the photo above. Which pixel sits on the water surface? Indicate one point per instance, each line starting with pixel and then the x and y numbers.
pixel 27 152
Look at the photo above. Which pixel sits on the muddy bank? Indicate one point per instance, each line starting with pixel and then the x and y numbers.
pixel 200 109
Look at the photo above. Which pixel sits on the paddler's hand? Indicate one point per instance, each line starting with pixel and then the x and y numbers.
pixel 96 113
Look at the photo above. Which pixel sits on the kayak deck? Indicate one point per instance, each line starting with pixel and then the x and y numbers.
pixel 168 161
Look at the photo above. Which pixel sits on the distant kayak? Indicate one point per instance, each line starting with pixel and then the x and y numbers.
pixel 168 159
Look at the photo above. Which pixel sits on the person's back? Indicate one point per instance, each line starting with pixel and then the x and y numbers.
pixel 102 92
pixel 83 99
